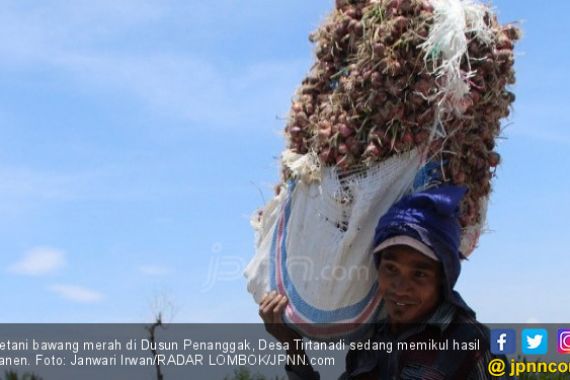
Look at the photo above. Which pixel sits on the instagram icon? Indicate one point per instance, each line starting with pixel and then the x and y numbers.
pixel 564 341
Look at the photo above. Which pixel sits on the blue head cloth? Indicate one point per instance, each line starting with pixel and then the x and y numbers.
pixel 430 216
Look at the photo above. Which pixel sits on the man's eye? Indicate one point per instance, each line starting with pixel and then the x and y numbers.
pixel 420 274
pixel 390 268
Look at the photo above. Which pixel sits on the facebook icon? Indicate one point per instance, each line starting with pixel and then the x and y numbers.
pixel 503 341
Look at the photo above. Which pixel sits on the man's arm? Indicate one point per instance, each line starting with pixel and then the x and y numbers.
pixel 271 312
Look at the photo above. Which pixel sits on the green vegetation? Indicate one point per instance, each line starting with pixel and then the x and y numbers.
pixel 544 376
pixel 243 373
pixel 540 376
pixel 11 375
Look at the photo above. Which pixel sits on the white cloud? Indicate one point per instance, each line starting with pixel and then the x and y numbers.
pixel 77 293
pixel 21 186
pixel 41 30
pixel 154 270
pixel 39 261
pixel 178 85
pixel 184 87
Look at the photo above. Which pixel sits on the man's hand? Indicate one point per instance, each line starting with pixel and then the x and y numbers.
pixel 271 311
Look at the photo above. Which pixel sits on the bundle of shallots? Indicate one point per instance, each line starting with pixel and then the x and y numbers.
pixel 391 75
pixel 404 94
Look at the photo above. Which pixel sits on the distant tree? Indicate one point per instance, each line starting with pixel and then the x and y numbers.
pixel 160 306
pixel 151 331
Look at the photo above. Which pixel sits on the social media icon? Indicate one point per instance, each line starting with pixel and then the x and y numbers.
pixel 534 341
pixel 503 341
pixel 564 341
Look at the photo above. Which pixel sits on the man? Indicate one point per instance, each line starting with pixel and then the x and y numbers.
pixel 416 251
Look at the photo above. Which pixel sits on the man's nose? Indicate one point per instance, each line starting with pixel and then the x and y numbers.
pixel 401 285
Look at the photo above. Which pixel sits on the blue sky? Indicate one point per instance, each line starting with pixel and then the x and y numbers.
pixel 136 137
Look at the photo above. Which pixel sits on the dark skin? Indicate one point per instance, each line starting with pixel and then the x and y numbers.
pixel 410 284
pixel 271 310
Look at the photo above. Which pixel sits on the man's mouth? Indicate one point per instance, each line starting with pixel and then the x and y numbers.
pixel 400 303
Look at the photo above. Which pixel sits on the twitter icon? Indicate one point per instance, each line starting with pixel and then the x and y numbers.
pixel 534 341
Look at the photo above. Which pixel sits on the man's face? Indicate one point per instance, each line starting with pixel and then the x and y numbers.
pixel 410 283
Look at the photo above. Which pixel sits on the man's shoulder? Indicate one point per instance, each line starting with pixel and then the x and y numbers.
pixel 464 326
